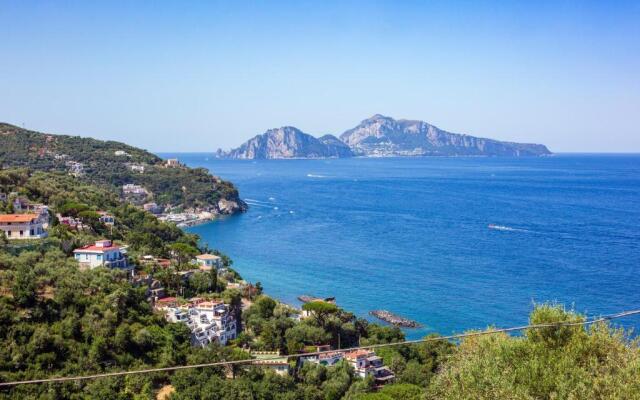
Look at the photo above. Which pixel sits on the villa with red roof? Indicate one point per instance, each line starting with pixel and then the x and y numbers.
pixel 22 226
pixel 101 253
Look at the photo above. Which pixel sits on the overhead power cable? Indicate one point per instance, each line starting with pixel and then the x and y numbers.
pixel 317 353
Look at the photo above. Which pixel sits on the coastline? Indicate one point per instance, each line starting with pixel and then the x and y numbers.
pixel 405 324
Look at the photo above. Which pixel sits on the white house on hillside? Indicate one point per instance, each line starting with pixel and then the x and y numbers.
pixel 209 321
pixel 367 363
pixel 22 226
pixel 208 261
pixel 102 253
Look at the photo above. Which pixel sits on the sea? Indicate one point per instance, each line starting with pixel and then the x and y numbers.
pixel 454 243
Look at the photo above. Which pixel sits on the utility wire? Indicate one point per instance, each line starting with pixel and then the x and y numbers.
pixel 316 353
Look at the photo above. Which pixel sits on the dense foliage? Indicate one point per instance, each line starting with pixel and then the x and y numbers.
pixel 58 320
pixel 552 363
pixel 176 186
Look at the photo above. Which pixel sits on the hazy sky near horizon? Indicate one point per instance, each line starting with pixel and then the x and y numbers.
pixel 195 76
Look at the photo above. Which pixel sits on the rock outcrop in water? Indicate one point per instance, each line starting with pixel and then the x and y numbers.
pixel 394 319
pixel 378 136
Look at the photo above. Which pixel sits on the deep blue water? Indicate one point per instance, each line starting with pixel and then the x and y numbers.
pixel 411 235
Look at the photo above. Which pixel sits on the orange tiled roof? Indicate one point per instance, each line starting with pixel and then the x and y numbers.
pixel 355 354
pixel 166 300
pixel 17 217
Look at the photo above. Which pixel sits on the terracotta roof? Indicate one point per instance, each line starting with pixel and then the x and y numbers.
pixel 96 249
pixel 166 300
pixel 163 262
pixel 207 257
pixel 17 217
pixel 355 354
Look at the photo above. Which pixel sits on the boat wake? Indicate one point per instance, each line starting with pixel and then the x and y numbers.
pixel 506 228
pixel 257 204
pixel 257 201
pixel 316 176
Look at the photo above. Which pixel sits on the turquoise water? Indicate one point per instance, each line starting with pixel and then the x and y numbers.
pixel 411 235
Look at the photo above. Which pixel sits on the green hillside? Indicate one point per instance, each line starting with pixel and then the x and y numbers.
pixel 109 164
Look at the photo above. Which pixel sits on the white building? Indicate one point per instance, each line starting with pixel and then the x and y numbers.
pixel 208 261
pixel 172 163
pixel 152 207
pixel 272 360
pixel 102 253
pixel 137 168
pixel 326 359
pixel 209 321
pixel 42 211
pixel 75 168
pixel 131 188
pixel 367 363
pixel 107 218
pixel 22 226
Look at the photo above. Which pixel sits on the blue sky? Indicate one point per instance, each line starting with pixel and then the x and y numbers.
pixel 195 76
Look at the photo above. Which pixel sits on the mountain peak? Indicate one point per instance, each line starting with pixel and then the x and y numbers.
pixel 377 117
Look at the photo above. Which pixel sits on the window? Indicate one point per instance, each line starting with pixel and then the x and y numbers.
pixel 9 233
pixel 31 232
pixel 21 233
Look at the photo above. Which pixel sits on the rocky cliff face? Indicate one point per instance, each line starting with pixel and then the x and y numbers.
pixel 288 142
pixel 378 136
pixel 383 136
pixel 336 147
pixel 228 207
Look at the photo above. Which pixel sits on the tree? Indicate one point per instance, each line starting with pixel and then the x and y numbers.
pixel 403 391
pixel 556 363
pixel 213 279
pixel 303 334
pixel 183 252
pixel 24 287
pixel 320 310
pixel 200 282
pixel 3 239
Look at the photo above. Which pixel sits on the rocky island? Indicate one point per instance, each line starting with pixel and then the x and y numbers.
pixel 378 136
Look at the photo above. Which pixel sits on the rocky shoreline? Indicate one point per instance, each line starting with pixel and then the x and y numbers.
pixel 394 319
